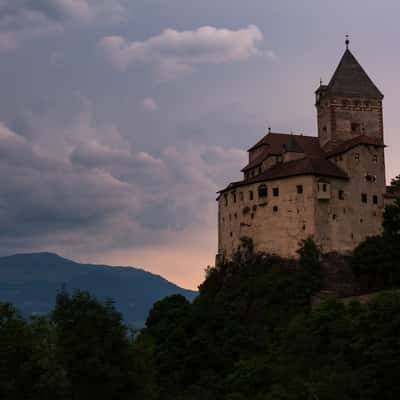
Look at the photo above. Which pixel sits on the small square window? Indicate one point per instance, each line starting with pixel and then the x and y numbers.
pixel 364 198
pixel 299 189
pixel 355 128
pixel 275 192
pixel 251 195
pixel 375 199
pixel 275 209
pixel 341 195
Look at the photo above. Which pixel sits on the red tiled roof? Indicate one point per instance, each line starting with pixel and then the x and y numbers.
pixel 350 144
pixel 275 144
pixel 318 166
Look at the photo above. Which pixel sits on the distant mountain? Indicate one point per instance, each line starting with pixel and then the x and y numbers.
pixel 31 282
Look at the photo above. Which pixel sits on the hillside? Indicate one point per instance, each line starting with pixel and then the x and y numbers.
pixel 31 281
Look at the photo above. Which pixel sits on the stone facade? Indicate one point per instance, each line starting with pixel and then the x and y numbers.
pixel 331 187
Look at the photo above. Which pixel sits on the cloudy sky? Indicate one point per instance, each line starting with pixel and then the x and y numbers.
pixel 119 120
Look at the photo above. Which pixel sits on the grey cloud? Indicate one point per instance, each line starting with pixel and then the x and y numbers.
pixel 21 20
pixel 172 52
pixel 103 196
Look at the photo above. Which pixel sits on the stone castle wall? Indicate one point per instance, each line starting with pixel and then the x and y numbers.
pixel 333 211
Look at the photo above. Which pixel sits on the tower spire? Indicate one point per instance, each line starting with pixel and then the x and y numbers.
pixel 347 41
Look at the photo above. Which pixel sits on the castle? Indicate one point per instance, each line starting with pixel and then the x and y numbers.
pixel 331 187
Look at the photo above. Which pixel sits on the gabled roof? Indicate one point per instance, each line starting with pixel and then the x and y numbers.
pixel 349 144
pixel 317 166
pixel 277 143
pixel 350 79
pixel 292 146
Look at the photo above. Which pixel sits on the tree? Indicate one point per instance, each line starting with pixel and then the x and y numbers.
pixel 93 347
pixel 391 221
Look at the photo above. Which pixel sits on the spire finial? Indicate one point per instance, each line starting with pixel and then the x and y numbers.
pixel 269 129
pixel 347 41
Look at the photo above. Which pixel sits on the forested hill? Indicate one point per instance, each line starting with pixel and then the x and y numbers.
pixel 31 281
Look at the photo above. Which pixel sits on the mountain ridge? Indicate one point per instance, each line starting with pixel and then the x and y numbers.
pixel 31 281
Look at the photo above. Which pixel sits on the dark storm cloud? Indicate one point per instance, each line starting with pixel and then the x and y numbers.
pixel 102 193
pixel 21 20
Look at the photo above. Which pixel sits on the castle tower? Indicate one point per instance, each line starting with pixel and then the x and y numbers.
pixel 350 105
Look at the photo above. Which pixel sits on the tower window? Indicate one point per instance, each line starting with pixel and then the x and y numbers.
pixel 234 197
pixel 299 189
pixel 275 192
pixel 364 198
pixel 355 127
pixel 251 195
pixel 275 209
pixel 262 191
pixel 226 200
pixel 375 199
pixel 375 158
pixel 241 196
pixel 357 156
pixel 341 194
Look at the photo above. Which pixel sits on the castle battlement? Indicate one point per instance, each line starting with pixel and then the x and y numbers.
pixel 331 186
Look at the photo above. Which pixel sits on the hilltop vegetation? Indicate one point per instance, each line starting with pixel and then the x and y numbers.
pixel 250 334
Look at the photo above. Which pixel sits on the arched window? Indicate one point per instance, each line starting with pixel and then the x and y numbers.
pixel 262 191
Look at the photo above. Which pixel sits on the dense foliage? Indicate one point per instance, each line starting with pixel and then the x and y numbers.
pixel 250 334
pixel 378 257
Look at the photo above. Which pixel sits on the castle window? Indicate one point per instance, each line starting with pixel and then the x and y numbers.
pixel 252 173
pixel 357 156
pixel 334 216
pixel 368 177
pixel 275 192
pixel 275 209
pixel 235 215
pixel 375 199
pixel 259 170
pixel 234 197
pixel 324 129
pixel 375 158
pixel 231 234
pixel 341 194
pixel 299 189
pixel 355 127
pixel 241 196
pixel 262 191
pixel 364 198
pixel 324 188
pixel 226 200
pixel 251 195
